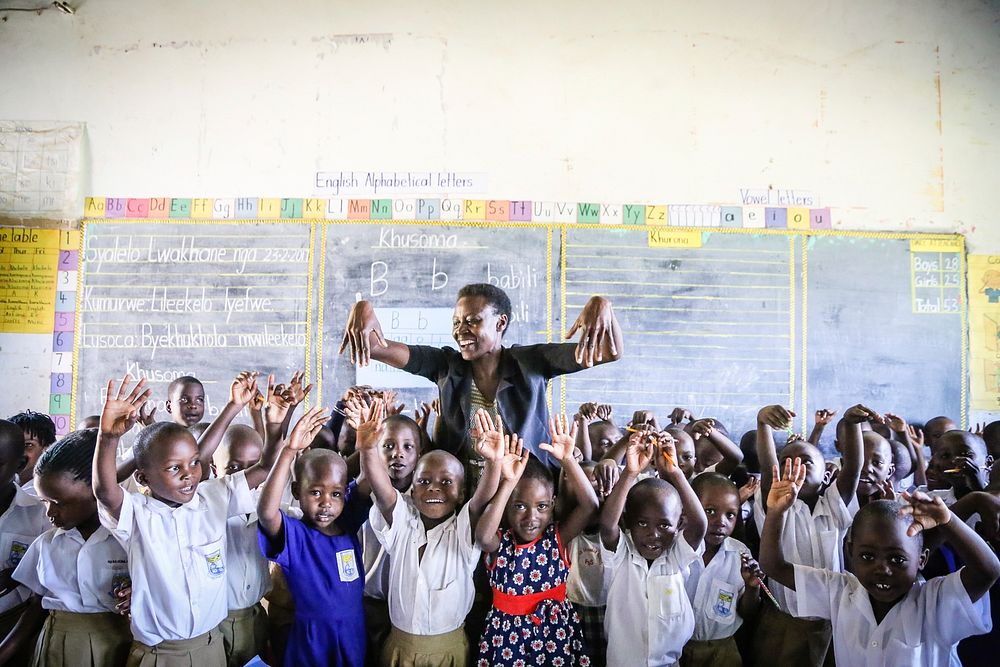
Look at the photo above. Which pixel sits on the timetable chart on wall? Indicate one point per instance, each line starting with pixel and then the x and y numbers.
pixel 164 300
pixel 708 320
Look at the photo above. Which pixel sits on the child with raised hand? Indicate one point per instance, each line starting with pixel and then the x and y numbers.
pixel 724 584
pixel 244 630
pixel 77 572
pixel 531 621
pixel 882 612
pixel 399 447
pixel 959 460
pixel 714 451
pixel 175 537
pixel 585 584
pixel 22 519
pixel 817 524
pixel 649 616
pixel 319 555
pixel 877 469
pixel 428 537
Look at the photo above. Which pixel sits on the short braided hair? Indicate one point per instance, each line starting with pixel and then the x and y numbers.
pixel 72 455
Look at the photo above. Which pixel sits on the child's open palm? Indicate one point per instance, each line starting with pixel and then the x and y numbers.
pixel 306 429
pixel 121 408
pixel 243 388
pixel 278 402
pixel 368 424
pixel 927 511
pixel 515 460
pixel 563 437
pixel 785 490
pixel 490 441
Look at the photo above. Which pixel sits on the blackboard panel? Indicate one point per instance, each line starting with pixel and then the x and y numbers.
pixel 709 328
pixel 412 273
pixel 885 326
pixel 161 300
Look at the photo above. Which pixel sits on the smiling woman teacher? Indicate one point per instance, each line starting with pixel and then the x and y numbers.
pixel 509 382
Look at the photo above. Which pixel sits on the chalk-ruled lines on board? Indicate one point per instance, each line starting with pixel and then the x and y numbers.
pixel 724 306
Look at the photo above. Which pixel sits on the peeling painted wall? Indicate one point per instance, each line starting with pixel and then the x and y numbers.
pixel 886 111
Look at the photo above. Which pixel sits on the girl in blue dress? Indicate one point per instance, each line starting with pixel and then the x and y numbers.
pixel 320 555
pixel 532 622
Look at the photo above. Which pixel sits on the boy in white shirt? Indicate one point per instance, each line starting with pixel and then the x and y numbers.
pixel 724 584
pixel 817 524
pixel 431 548
pixel 649 616
pixel 22 519
pixel 882 614
pixel 176 536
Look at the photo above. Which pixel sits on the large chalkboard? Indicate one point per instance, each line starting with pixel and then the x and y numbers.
pixel 161 300
pixel 411 273
pixel 721 322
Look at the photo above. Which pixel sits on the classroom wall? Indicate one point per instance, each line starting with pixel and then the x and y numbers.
pixel 886 112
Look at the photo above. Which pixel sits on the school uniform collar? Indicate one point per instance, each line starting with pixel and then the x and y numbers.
pixel 196 504
pixel 860 600
pixel 74 534
pixel 22 498
pixel 416 522
pixel 638 558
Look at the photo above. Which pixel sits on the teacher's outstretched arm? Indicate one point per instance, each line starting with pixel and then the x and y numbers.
pixel 364 335
pixel 600 336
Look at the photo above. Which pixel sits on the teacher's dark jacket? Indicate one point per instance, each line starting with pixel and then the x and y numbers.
pixel 525 371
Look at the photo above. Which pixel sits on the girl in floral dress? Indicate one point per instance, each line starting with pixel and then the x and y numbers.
pixel 532 622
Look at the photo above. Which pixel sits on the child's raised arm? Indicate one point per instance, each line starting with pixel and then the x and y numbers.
pixel 853 450
pixel 982 568
pixel 637 458
pixel 269 504
pixel 732 455
pixel 492 446
pixel 366 420
pixel 823 417
pixel 121 410
pixel 770 417
pixel 695 521
pixel 561 448
pixel 241 391
pixel 511 468
pixel 780 498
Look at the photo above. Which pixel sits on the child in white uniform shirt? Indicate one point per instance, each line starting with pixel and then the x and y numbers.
pixel 814 536
pixel 22 519
pixel 399 447
pixel 77 571
pixel 882 614
pixel 723 584
pixel 585 585
pixel 244 632
pixel 649 615
pixel 431 548
pixel 175 537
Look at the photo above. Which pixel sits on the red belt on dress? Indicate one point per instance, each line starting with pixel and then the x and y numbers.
pixel 524 605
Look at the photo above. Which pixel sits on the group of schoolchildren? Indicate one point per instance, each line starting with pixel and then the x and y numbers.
pixel 647 545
